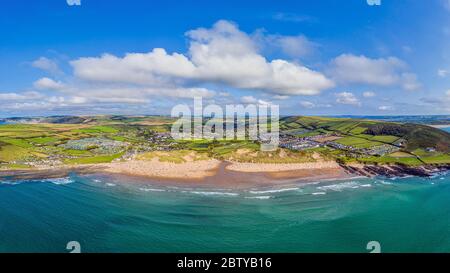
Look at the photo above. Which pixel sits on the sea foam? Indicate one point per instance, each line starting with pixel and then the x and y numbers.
pixel 274 191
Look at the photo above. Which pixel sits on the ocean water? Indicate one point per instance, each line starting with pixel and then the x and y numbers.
pixel 114 214
pixel 111 214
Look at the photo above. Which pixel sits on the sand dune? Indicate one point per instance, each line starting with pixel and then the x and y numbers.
pixel 264 167
pixel 155 168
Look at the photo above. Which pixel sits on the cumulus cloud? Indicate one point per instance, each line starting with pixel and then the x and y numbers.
pixel 295 47
pixel 73 2
pixel 222 54
pixel 292 17
pixel 369 94
pixel 349 68
pixel 253 100
pixel 410 82
pixel 47 65
pixel 48 84
pixel 347 98
pixel 281 97
pixel 386 108
pixel 307 104
pixel 31 95
pixel 443 73
pixel 248 99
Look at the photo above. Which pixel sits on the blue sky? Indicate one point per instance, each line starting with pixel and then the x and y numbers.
pixel 324 57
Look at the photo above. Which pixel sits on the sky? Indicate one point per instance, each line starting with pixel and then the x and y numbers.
pixel 325 57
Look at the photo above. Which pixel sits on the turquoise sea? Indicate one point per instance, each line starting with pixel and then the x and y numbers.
pixel 116 214
pixel 106 215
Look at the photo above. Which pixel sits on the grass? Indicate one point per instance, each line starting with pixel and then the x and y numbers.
pixel 11 153
pixel 43 140
pixel 387 139
pixel 412 161
pixel 440 159
pixel 97 129
pixel 401 155
pixel 15 166
pixel 21 143
pixel 93 160
pixel 357 142
pixel 281 156
pixel 76 152
pixel 17 142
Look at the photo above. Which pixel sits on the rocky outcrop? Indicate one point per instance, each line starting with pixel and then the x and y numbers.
pixel 395 170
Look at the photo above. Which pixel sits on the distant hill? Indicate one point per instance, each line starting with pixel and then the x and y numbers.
pixel 417 136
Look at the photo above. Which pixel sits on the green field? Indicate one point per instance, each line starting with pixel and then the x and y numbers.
pixel 61 139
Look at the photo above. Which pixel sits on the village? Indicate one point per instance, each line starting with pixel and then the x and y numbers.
pixel 293 142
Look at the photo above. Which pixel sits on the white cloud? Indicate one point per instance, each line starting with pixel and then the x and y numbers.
pixel 292 46
pixel 307 104
pixel 73 2
pixel 248 99
pixel 443 73
pixel 253 100
pixel 410 82
pixel 386 108
pixel 292 17
pixel 347 98
pixel 220 55
pixel 281 97
pixel 48 84
pixel 348 68
pixel 46 65
pixel 31 95
pixel 369 94
pixel 407 49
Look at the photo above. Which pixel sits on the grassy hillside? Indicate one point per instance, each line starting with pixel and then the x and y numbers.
pixel 422 144
pixel 96 139
pixel 417 136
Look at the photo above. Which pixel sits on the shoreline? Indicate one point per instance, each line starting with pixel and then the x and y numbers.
pixel 206 172
pixel 439 126
pixel 226 174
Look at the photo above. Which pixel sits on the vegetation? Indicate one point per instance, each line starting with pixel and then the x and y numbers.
pixel 100 139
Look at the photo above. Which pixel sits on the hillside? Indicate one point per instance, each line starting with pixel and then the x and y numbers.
pixel 417 136
pixel 28 142
pixel 417 143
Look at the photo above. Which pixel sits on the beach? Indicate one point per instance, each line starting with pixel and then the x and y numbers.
pixel 154 168
pixel 210 172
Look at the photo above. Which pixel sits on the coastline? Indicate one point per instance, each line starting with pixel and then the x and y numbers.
pixel 205 172
pixel 227 174
pixel 440 126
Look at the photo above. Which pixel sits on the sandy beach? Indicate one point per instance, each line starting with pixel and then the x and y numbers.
pixel 226 174
pixel 154 168
pixel 210 172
